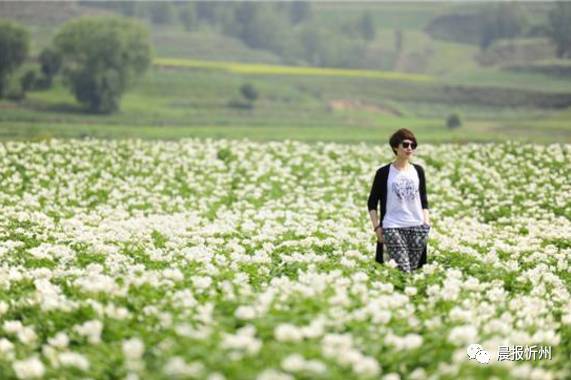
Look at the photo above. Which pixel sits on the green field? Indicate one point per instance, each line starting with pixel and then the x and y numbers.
pixel 188 102
pixel 197 75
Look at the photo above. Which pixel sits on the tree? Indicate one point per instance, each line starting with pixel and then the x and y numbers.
pixel 50 62
pixel 161 12
pixel 560 28
pixel 453 121
pixel 367 27
pixel 14 47
pixel 208 11
pixel 501 21
pixel 399 40
pixel 249 92
pixel 101 58
pixel 28 80
pixel 126 8
pixel 187 16
pixel 299 11
pixel 259 26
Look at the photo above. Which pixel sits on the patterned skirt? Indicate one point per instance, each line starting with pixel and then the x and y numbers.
pixel 406 244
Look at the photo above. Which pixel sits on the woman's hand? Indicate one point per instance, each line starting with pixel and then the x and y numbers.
pixel 380 237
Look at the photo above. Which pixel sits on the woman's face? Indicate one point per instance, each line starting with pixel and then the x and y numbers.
pixel 406 149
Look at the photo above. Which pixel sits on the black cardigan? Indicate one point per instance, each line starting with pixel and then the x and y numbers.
pixel 379 193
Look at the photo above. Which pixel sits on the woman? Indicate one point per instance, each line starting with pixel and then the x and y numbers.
pixel 400 187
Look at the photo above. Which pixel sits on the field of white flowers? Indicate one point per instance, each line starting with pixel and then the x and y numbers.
pixel 219 259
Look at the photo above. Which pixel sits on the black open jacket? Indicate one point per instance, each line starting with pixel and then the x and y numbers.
pixel 379 194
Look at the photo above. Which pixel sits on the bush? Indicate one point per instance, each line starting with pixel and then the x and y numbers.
pixel 249 92
pixel 558 28
pixel 50 61
pixel 14 46
pixel 453 121
pixel 28 80
pixel 14 90
pixel 101 58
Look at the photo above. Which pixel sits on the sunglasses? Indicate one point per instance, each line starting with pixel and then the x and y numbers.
pixel 406 144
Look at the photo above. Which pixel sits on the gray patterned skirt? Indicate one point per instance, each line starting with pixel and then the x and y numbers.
pixel 406 244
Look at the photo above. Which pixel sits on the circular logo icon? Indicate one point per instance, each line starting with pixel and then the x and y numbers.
pixel 473 349
pixel 483 357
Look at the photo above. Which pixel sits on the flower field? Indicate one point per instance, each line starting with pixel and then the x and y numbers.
pixel 226 259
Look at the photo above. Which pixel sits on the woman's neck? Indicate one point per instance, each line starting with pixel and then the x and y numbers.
pixel 401 163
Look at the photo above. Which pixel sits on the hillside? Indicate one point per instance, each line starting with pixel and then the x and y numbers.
pixel 197 76
pixel 417 52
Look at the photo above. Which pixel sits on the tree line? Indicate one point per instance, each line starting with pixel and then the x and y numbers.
pixel 100 57
pixel 287 29
pixel 492 22
pixel 291 30
pixel 97 57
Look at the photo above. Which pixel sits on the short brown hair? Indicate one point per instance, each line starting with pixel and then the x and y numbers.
pixel 399 136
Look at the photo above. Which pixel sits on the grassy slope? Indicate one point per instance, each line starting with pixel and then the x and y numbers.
pixel 178 104
pixel 166 103
pixel 207 44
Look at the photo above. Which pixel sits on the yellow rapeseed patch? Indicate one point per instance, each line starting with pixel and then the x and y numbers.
pixel 256 68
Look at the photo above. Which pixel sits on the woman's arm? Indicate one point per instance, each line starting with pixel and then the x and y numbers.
pixel 374 218
pixel 426 216
pixel 376 225
pixel 372 205
pixel 373 201
pixel 423 196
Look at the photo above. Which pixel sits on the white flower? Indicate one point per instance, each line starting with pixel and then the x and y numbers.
pixel 392 263
pixel 73 359
pixel 381 316
pixel 90 329
pixel 314 329
pixel 30 368
pixel 463 335
pixel 315 366
pixel 286 332
pixel 132 376
pixel 27 335
pixel 243 340
pixel 297 363
pixel 202 282
pixel 133 349
pixel 412 341
pixel 12 327
pixel 216 376
pixel 273 374
pixel 176 366
pixel 410 291
pixel 293 363
pixel 245 312
pixel 366 366
pixel 6 346
pixel 173 274
pixel 60 340
pixel 418 374
pixel 3 308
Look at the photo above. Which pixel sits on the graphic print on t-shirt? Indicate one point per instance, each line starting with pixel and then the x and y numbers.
pixel 404 188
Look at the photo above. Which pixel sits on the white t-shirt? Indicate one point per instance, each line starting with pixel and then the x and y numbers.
pixel 404 208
